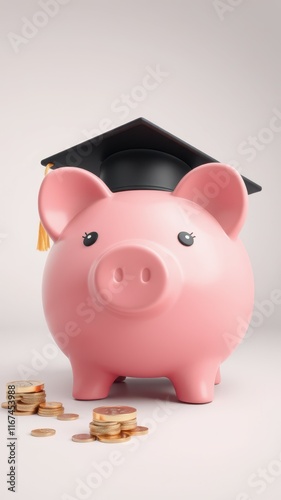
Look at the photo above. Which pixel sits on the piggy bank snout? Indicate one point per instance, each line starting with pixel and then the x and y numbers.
pixel 129 278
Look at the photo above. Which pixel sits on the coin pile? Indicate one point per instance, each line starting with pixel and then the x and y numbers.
pixel 115 424
pixel 50 409
pixel 27 395
pixel 110 424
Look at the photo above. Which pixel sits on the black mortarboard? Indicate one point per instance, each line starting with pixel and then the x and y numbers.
pixel 137 155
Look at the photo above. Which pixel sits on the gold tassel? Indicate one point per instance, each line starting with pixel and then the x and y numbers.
pixel 43 242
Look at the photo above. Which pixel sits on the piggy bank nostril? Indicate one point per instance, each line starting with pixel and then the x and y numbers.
pixel 145 275
pixel 118 274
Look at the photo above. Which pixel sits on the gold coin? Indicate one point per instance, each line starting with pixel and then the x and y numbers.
pixel 129 424
pixel 55 408
pixel 26 407
pixel 52 414
pixel 42 432
pixel 32 401
pixel 104 429
pixel 111 432
pixel 129 427
pixel 59 411
pixel 68 416
pixel 83 438
pixel 55 411
pixel 100 423
pixel 15 397
pixel 120 438
pixel 34 396
pixel 49 405
pixel 23 413
pixel 138 431
pixel 114 413
pixel 24 386
pixel 50 410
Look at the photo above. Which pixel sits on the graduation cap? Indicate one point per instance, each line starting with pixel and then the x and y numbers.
pixel 137 155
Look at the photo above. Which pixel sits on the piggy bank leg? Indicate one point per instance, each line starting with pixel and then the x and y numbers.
pixel 89 382
pixel 195 384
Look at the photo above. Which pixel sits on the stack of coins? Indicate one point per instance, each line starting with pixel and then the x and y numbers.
pixel 113 424
pixel 27 395
pixel 50 409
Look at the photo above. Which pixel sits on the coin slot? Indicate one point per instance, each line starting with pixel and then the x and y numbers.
pixel 118 274
pixel 145 275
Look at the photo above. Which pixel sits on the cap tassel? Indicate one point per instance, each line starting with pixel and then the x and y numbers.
pixel 43 242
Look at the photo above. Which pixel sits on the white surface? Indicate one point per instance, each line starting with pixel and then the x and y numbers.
pixel 192 451
pixel 221 87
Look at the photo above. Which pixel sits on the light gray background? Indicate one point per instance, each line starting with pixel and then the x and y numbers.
pixel 221 62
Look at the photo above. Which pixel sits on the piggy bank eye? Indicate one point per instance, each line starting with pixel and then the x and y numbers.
pixel 186 239
pixel 90 238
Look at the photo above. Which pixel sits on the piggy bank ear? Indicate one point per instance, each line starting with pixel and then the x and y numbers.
pixel 64 193
pixel 220 190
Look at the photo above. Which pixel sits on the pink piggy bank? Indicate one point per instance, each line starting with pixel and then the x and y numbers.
pixel 146 283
